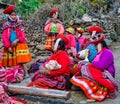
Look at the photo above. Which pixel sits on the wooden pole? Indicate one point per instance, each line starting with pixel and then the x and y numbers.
pixel 38 92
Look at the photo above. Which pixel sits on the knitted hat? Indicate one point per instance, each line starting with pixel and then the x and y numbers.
pixel 9 9
pixel 97 38
pixel 53 11
pixel 70 30
pixel 80 30
pixel 95 29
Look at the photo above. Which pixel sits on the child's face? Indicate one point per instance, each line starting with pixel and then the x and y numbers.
pixel 55 15
pixel 13 16
pixel 78 34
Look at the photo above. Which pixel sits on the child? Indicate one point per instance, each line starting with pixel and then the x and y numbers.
pixel 71 46
pixel 53 27
pixel 80 38
pixel 15 48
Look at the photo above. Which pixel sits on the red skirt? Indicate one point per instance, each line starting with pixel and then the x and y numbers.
pixel 49 43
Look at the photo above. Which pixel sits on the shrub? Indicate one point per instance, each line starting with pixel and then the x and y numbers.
pixel 26 7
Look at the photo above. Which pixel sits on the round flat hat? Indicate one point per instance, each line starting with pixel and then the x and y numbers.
pixel 9 9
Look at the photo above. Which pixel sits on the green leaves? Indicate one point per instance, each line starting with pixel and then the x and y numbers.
pixel 82 9
pixel 26 7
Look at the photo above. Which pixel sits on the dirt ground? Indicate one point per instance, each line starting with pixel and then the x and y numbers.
pixel 78 97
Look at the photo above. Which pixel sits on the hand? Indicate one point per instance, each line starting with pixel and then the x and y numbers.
pixel 44 71
pixel 14 43
pixel 83 62
pixel 41 67
pixel 10 50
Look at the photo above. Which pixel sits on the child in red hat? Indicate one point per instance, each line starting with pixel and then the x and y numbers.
pixel 13 37
pixel 53 27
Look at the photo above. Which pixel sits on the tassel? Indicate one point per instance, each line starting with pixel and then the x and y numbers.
pixel 99 46
pixel 56 44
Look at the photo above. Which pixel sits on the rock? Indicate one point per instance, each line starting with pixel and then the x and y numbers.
pixel 40 47
pixel 1 45
pixel 75 88
pixel 33 55
pixel 83 102
pixel 86 18
pixel 90 100
pixel 108 42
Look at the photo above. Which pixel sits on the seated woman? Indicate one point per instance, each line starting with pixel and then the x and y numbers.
pixel 89 51
pixel 96 79
pixel 54 79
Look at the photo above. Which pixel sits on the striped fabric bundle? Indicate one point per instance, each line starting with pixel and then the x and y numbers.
pixel 2 75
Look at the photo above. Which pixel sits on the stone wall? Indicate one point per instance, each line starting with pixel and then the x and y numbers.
pixel 36 36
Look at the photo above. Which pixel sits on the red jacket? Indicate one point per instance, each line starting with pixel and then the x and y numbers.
pixel 63 59
pixel 7 32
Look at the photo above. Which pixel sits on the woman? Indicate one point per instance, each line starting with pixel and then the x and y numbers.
pixel 13 37
pixel 97 79
pixel 53 27
pixel 93 30
pixel 55 79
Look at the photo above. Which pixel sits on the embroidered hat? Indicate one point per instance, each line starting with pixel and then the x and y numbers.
pixel 80 30
pixel 70 30
pixel 9 9
pixel 53 11
pixel 95 29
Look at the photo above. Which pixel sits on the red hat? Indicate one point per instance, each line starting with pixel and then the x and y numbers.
pixel 98 29
pixel 53 11
pixel 9 9
pixel 97 38
pixel 63 37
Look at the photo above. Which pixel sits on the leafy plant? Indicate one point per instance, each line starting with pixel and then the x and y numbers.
pixel 96 3
pixel 72 9
pixel 117 27
pixel 26 7
pixel 7 1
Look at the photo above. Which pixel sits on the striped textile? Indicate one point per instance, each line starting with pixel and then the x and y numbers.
pixel 20 54
pixel 42 81
pixel 14 74
pixel 49 44
pixel 5 99
pixel 90 88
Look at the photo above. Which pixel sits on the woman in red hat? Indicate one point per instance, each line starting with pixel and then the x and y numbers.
pixel 97 78
pixel 55 79
pixel 52 28
pixel 13 37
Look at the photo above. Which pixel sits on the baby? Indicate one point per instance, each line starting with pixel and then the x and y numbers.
pixel 52 65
